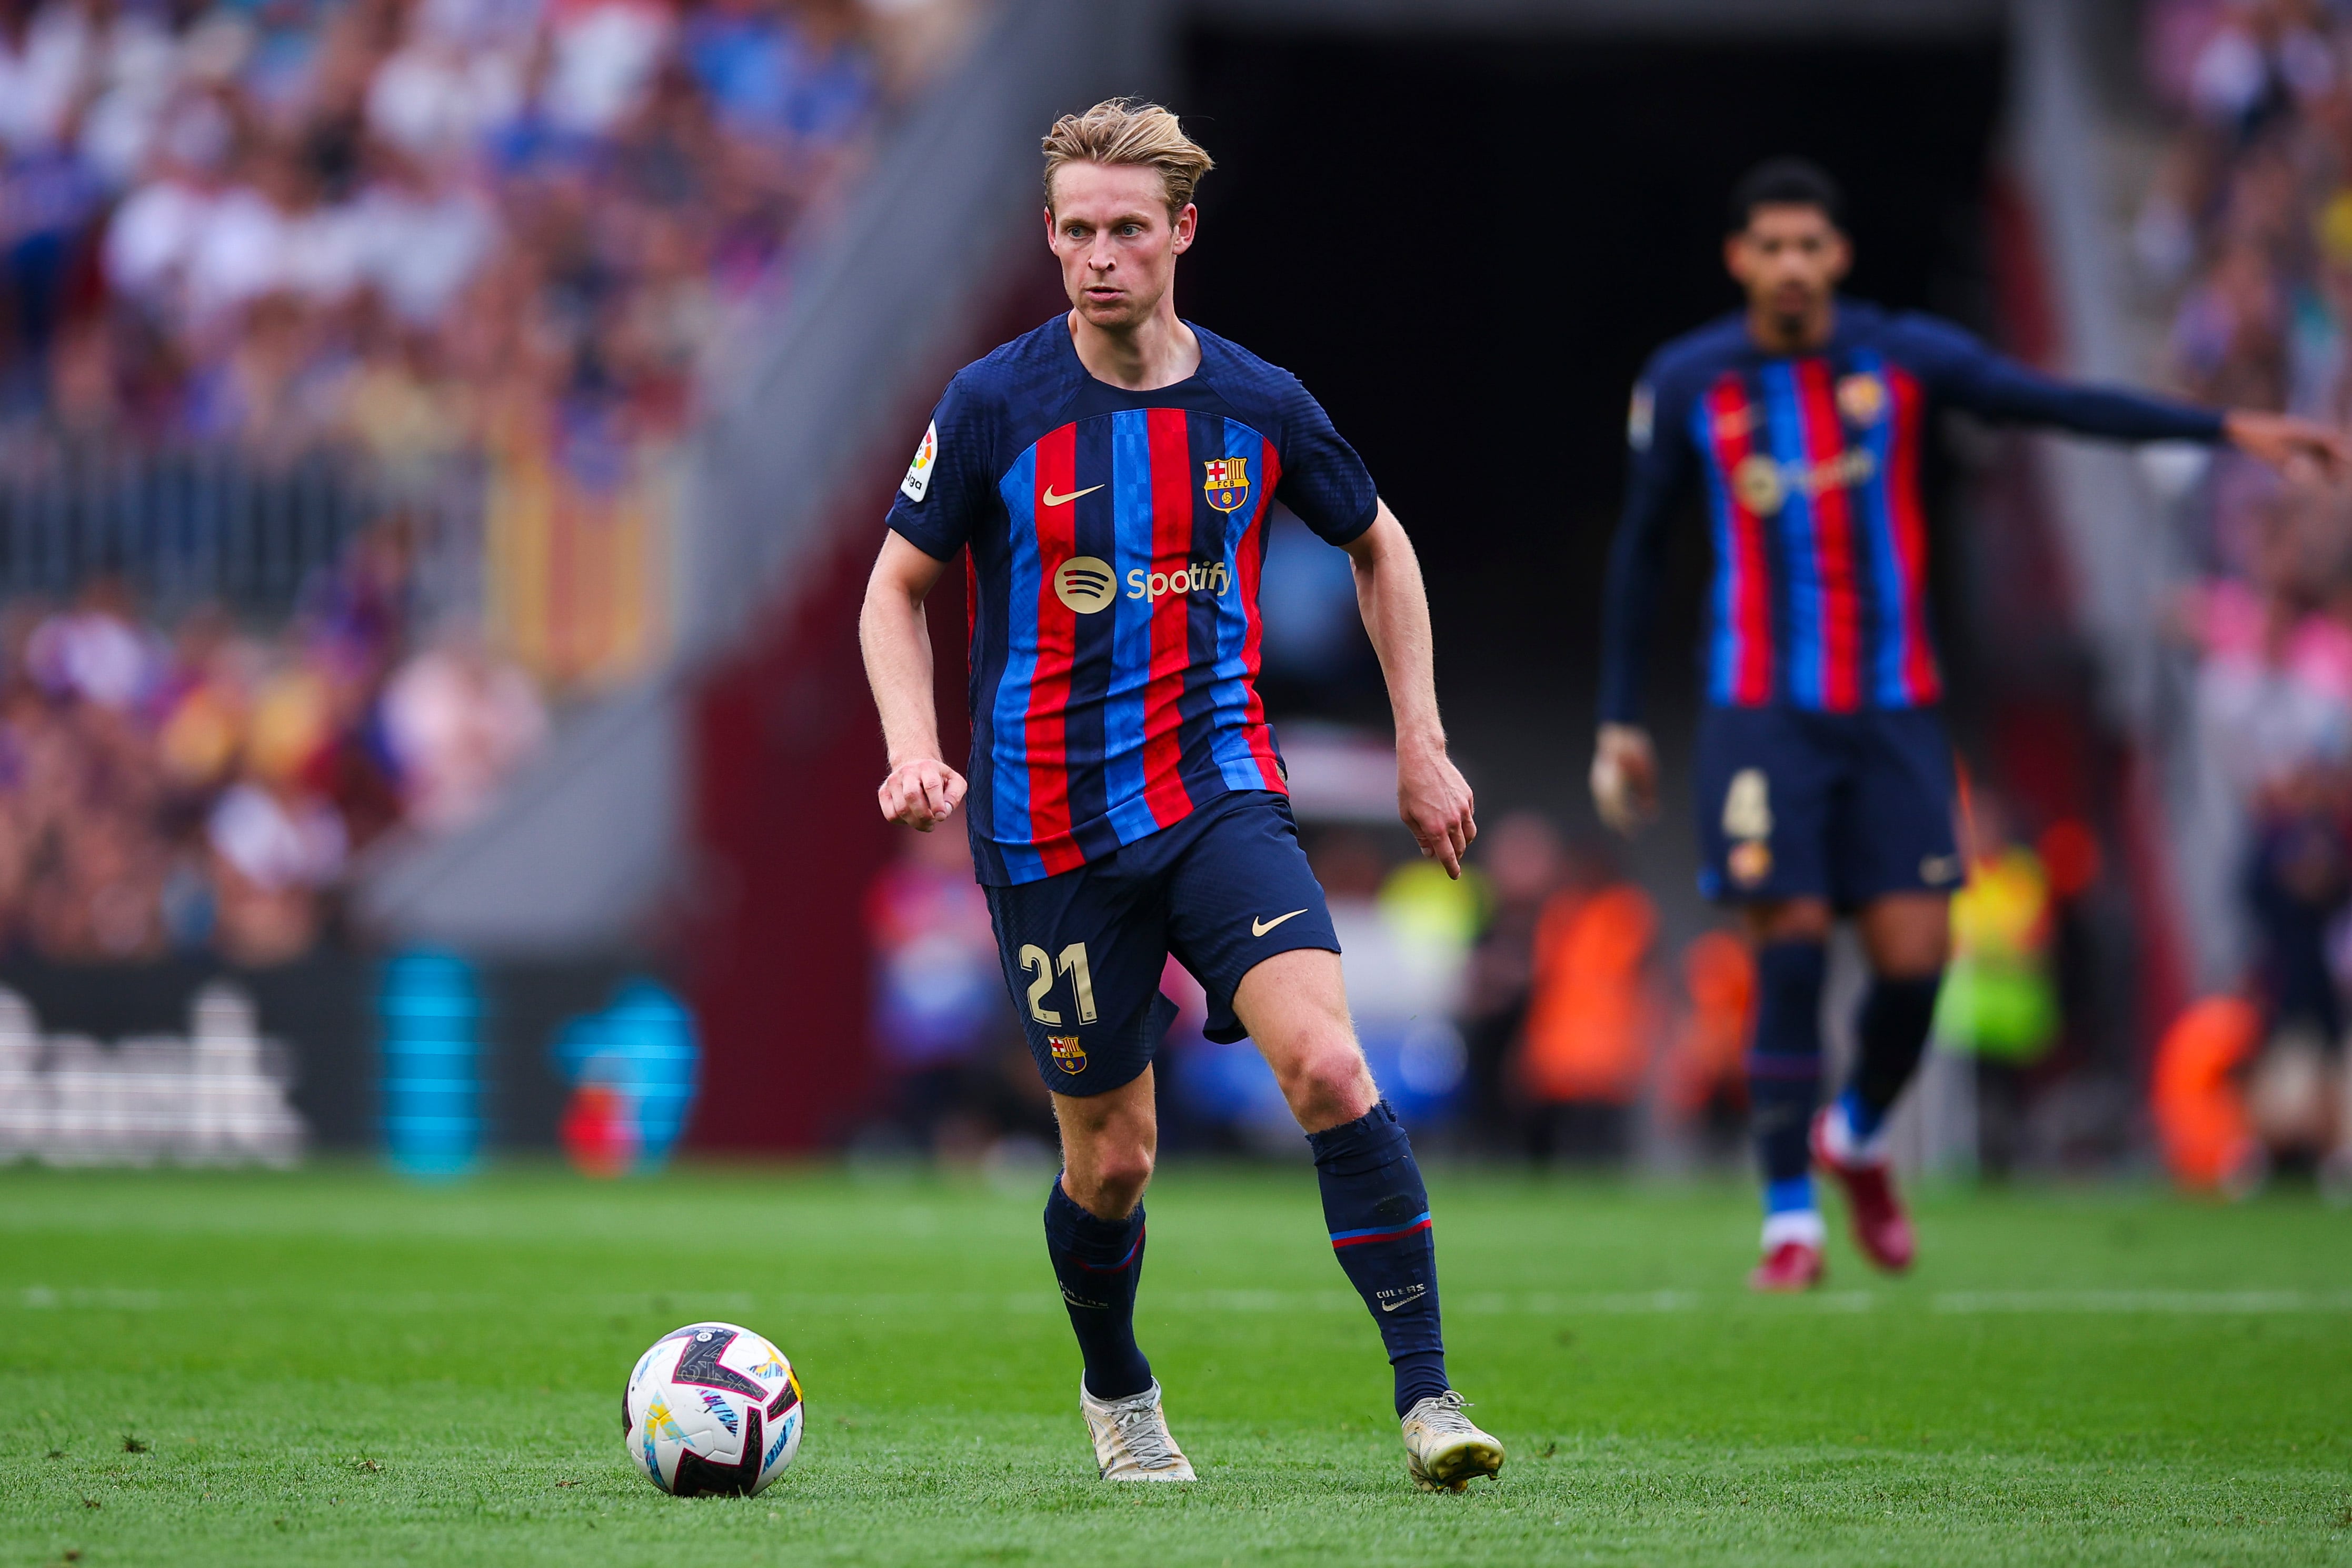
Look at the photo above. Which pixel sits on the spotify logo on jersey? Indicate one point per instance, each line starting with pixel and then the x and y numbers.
pixel 1085 583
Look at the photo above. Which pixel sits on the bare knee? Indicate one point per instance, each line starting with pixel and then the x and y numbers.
pixel 1326 1082
pixel 1907 936
pixel 1105 1168
pixel 1110 1188
pixel 1787 920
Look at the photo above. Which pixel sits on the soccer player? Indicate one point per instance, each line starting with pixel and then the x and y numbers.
pixel 1109 474
pixel 1824 783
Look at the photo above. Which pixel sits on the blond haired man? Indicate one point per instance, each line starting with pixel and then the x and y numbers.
pixel 1109 473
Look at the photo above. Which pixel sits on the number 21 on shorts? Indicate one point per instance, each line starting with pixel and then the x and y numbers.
pixel 1073 963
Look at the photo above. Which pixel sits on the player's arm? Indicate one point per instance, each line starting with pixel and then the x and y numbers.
pixel 931 520
pixel 1971 376
pixel 922 790
pixel 1625 764
pixel 1432 798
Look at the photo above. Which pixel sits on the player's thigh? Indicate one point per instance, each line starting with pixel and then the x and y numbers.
pixel 1896 834
pixel 1083 953
pixel 1765 788
pixel 1241 893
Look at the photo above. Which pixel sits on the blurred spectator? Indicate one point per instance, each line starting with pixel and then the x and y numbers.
pixel 939 1011
pixel 457 722
pixel 1523 859
pixel 1703 1082
pixel 1586 1049
pixel 2248 232
pixel 1999 1001
pixel 2201 1115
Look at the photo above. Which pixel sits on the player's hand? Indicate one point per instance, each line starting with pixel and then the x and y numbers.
pixel 1625 776
pixel 922 793
pixel 2284 441
pixel 1435 802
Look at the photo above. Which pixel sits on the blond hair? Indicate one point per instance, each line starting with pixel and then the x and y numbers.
pixel 1124 130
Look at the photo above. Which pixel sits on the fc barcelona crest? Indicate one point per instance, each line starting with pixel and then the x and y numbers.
pixel 1227 482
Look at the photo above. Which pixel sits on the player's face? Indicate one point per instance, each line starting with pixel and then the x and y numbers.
pixel 1111 228
pixel 1789 260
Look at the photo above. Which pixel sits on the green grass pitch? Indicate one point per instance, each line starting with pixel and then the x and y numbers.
pixel 336 1367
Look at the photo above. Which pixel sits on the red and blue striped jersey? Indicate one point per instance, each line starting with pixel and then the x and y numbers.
pixel 1811 469
pixel 1115 541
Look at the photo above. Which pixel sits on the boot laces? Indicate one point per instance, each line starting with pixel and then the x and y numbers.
pixel 1442 1414
pixel 1144 1434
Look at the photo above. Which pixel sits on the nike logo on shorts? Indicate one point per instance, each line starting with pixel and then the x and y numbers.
pixel 1051 499
pixel 1260 927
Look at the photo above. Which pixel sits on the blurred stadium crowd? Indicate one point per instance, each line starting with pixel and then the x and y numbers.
pixel 2245 238
pixel 470 244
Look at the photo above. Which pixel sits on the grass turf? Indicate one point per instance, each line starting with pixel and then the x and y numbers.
pixel 335 1367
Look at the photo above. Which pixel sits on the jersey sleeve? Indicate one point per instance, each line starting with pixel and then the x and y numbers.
pixel 1659 457
pixel 1962 371
pixel 947 486
pixel 1323 480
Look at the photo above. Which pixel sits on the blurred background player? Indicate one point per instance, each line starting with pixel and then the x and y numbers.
pixel 1824 783
pixel 1109 473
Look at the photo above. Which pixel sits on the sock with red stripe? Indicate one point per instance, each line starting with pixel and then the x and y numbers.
pixel 1099 1262
pixel 1377 1213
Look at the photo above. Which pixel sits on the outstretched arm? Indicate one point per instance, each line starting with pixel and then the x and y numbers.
pixel 922 790
pixel 1432 798
pixel 1975 378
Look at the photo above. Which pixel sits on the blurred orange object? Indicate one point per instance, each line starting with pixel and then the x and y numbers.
pixel 2200 1113
pixel 1708 1056
pixel 1589 1020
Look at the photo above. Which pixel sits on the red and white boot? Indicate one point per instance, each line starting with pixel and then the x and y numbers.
pixel 1881 1228
pixel 1792 1253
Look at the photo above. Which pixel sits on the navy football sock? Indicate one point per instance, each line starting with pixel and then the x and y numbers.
pixel 1784 1063
pixel 1377 1213
pixel 1891 1029
pixel 1098 1262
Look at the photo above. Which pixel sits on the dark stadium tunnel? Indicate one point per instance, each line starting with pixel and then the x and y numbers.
pixel 1467 246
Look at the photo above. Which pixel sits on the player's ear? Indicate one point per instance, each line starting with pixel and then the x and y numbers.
pixel 1188 223
pixel 1734 256
pixel 1841 256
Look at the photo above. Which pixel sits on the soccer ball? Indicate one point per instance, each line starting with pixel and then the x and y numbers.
pixel 712 1409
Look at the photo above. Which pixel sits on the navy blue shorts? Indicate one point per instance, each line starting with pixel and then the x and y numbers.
pixel 1846 806
pixel 1223 890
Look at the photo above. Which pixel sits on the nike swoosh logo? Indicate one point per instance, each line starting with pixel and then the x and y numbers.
pixel 1393 1306
pixel 1054 500
pixel 1260 927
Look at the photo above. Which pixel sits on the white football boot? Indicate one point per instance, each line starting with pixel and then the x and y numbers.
pixel 1443 1451
pixel 1132 1438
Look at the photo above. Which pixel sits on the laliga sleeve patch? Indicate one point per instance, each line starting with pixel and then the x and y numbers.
pixel 917 482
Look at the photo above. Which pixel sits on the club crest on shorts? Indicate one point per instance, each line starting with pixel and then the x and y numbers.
pixel 1747 822
pixel 1226 482
pixel 1748 806
pixel 1068 1055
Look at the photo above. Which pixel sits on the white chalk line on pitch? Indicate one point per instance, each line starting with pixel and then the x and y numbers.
pixel 686 1305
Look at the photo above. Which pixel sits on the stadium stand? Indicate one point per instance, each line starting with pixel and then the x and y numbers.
pixel 2243 244
pixel 348 353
